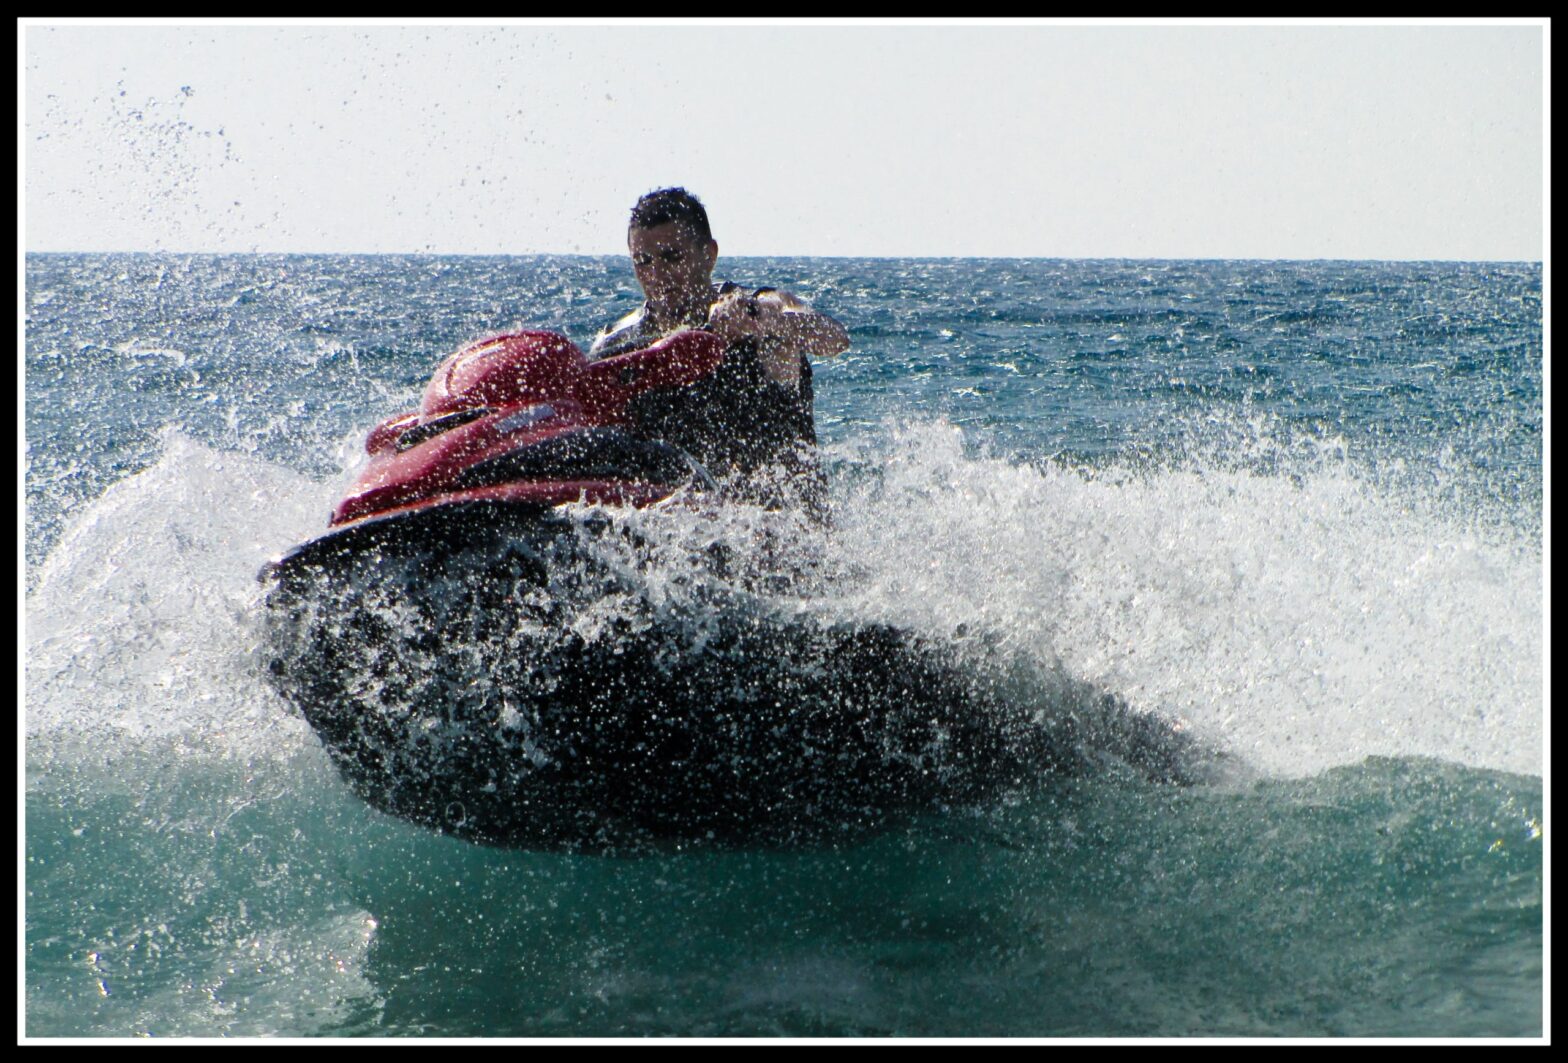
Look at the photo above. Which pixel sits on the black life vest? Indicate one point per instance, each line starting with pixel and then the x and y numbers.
pixel 755 436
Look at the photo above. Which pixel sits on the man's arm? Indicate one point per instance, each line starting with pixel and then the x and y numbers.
pixel 786 329
pixel 800 328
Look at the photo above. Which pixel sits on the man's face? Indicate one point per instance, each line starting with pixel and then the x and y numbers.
pixel 670 260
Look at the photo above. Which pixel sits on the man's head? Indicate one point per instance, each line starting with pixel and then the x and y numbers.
pixel 672 248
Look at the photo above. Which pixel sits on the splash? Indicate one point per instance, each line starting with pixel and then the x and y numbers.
pixel 1276 597
pixel 139 625
pixel 1294 611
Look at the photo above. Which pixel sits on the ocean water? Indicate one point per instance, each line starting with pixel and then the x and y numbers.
pixel 1293 508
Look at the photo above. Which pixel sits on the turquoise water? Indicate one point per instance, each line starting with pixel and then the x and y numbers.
pixel 1295 507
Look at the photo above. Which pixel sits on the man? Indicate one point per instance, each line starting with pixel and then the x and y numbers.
pixel 750 422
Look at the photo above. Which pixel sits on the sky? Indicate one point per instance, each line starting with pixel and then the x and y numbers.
pixel 1065 140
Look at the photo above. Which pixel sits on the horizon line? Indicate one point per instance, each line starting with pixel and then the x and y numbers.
pixel 838 257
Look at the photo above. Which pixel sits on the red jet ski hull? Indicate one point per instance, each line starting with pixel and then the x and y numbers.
pixel 516 392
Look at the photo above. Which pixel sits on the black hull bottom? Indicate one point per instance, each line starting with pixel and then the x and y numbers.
pixel 520 687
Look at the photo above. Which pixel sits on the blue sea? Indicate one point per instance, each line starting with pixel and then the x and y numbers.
pixel 1295 509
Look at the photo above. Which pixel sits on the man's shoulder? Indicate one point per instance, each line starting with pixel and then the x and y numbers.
pixel 628 327
pixel 627 321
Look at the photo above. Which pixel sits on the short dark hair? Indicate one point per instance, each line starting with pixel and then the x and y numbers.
pixel 671 204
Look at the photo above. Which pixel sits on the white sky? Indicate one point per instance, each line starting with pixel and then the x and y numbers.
pixel 1112 141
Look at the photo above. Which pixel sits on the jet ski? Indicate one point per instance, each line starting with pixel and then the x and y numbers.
pixel 515 424
pixel 484 649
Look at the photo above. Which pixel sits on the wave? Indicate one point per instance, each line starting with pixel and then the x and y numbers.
pixel 1281 604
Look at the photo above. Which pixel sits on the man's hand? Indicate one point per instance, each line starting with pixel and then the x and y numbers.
pixel 739 314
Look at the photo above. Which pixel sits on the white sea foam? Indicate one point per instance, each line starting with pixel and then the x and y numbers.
pixel 142 621
pixel 1303 618
pixel 1300 618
